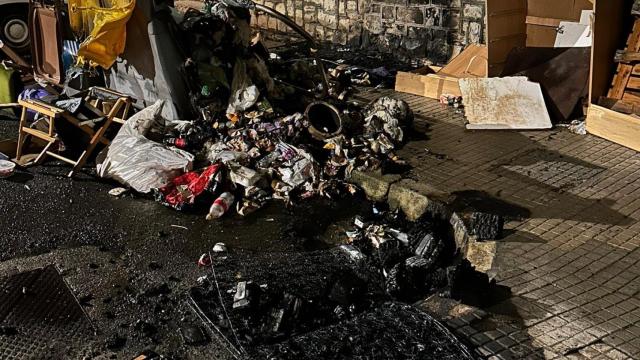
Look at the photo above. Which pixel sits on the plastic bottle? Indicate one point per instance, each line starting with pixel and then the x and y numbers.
pixel 220 206
pixel 180 143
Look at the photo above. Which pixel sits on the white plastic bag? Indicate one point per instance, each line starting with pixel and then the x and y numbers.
pixel 138 162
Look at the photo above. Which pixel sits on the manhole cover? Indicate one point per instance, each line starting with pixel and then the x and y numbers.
pixel 39 316
pixel 550 168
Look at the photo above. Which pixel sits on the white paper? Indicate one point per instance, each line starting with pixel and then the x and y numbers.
pixel 585 17
pixel 572 34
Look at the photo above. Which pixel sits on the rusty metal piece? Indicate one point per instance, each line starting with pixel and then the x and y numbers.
pixel 325 120
pixel 313 45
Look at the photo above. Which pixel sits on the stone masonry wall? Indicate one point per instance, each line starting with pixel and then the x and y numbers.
pixel 422 31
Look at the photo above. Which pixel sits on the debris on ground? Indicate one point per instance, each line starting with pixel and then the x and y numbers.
pixel 576 126
pixel 310 297
pixel 7 168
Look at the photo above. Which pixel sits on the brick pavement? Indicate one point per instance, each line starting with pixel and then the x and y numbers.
pixel 573 262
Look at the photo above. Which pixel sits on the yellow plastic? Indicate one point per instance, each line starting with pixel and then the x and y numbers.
pixel 103 23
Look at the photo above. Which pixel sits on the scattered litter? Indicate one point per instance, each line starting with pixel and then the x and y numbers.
pixel 180 227
pixel 241 299
pixel 117 191
pixel 7 168
pixel 576 126
pixel 220 206
pixel 204 260
pixel 219 248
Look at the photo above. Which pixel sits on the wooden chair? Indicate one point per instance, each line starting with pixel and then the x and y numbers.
pixel 107 104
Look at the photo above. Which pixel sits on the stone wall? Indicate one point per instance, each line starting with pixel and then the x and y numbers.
pixel 420 31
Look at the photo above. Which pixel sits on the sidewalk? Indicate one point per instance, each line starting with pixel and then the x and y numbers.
pixel 573 263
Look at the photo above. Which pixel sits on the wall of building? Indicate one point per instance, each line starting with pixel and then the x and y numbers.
pixel 422 31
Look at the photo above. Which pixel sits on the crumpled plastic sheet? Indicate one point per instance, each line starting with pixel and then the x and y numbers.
pixel 576 126
pixel 243 94
pixel 387 115
pixel 134 160
pixel 299 166
pixel 220 152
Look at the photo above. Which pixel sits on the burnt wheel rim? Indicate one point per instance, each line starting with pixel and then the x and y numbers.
pixel 15 32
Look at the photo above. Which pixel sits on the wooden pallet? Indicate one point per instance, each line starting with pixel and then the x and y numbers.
pixel 626 82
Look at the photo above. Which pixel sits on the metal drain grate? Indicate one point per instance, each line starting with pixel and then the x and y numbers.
pixel 39 316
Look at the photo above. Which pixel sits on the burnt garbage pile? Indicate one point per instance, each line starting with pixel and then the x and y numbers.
pixel 254 138
pixel 276 303
pixel 259 126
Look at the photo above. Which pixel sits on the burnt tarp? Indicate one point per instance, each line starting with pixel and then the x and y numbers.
pixel 149 68
pixel 563 74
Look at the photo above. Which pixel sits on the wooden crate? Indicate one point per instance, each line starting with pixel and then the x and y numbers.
pixel 609 35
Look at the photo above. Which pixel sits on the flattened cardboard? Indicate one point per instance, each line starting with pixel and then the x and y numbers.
pixel 504 103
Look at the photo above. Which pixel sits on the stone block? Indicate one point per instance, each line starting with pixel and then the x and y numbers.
pixel 354 35
pixel 272 23
pixel 415 198
pixel 373 23
pixel 340 36
pixel 481 254
pixel 291 8
pixel 343 24
pixel 329 21
pixel 388 13
pixel 482 225
pixel 311 28
pixel 329 34
pixel 310 17
pixel 412 14
pixel 329 6
pixel 471 11
pixel 281 8
pixel 375 186
pixel 397 29
pixel 352 7
pixel 262 21
pixel 342 9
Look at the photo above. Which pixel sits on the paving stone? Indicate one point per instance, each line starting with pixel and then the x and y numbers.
pixel 375 186
pixel 415 198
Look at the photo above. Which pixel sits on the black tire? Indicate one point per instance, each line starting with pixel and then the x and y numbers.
pixel 13 19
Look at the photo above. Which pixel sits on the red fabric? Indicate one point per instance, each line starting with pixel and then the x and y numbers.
pixel 196 185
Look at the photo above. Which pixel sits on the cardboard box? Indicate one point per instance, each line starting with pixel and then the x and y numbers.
pixel 510 24
pixel 433 81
